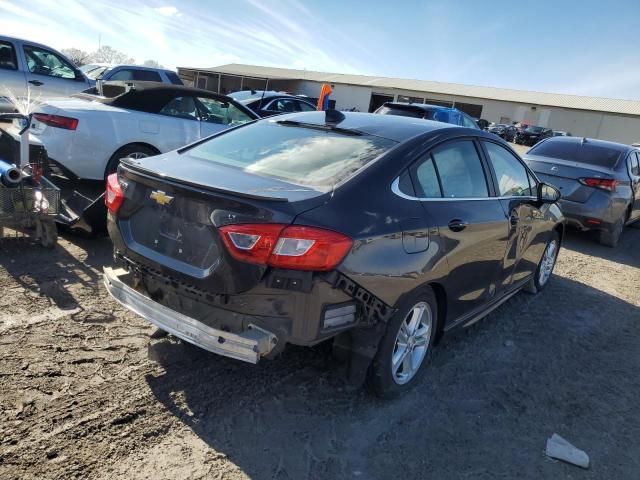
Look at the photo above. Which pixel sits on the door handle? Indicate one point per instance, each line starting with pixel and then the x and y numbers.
pixel 37 83
pixel 457 225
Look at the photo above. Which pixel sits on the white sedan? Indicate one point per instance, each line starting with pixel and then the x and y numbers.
pixel 87 135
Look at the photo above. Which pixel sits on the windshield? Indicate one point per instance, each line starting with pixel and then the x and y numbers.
pixel 297 154
pixel 96 73
pixel 534 129
pixel 578 152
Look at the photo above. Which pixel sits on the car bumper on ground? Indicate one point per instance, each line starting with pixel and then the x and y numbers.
pixel 248 346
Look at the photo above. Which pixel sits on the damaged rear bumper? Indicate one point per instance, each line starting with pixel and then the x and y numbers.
pixel 248 346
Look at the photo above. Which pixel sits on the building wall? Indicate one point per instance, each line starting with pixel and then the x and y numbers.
pixel 602 125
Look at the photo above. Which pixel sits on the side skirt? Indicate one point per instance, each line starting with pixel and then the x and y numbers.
pixel 473 317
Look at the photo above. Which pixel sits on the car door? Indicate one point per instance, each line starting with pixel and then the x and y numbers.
pixel 12 78
pixel 634 173
pixel 517 189
pixel 50 75
pixel 217 115
pixel 453 183
pixel 179 123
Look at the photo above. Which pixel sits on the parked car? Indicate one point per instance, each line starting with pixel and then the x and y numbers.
pixel 428 112
pixel 482 123
pixel 236 245
pixel 531 135
pixel 267 104
pixel 499 129
pixel 560 133
pixel 599 182
pixel 106 72
pixel 87 135
pixel 46 73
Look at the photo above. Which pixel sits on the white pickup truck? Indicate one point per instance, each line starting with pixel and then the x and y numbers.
pixel 29 67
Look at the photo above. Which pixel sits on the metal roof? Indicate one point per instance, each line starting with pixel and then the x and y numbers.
pixel 599 104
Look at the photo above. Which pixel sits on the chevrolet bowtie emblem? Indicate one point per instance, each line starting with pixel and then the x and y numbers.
pixel 160 197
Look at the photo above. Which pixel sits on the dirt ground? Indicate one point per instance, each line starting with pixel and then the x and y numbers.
pixel 85 392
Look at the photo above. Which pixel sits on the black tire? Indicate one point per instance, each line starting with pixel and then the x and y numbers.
pixel 538 282
pixel 126 151
pixel 611 238
pixel 380 379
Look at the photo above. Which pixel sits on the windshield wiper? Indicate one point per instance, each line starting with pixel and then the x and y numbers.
pixel 324 127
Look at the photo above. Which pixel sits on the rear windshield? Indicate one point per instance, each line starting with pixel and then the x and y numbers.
pixel 534 129
pixel 299 155
pixel 578 152
pixel 402 112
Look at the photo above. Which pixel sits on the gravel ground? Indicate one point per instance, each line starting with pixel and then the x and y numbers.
pixel 85 392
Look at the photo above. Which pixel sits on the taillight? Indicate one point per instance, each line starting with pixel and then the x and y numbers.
pixel 57 121
pixel 603 183
pixel 291 247
pixel 114 196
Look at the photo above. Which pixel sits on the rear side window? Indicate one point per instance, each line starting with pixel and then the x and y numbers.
pixel 7 57
pixel 122 75
pixel 582 152
pixel 181 107
pixel 460 170
pixel 174 78
pixel 223 113
pixel 427 179
pixel 300 155
pixel 146 76
pixel 635 163
pixel 512 176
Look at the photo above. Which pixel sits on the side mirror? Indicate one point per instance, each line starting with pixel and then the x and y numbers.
pixel 548 193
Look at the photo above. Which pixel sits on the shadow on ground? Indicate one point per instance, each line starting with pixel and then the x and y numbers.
pixel 489 400
pixel 627 252
pixel 72 265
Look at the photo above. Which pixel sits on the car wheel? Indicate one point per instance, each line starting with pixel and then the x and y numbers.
pixel 545 266
pixel 135 150
pixel 610 238
pixel 406 344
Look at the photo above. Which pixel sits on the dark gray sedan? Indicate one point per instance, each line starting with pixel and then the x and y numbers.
pixel 599 182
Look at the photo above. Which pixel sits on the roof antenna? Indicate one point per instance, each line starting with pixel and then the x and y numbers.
pixel 333 117
pixel 266 86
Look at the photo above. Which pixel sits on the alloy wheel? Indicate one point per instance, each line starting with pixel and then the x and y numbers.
pixel 411 343
pixel 548 262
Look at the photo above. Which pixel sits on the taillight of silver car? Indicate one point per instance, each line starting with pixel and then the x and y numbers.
pixel 58 121
pixel 603 183
pixel 281 246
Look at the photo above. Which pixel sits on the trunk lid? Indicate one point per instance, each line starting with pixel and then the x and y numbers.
pixel 565 175
pixel 173 208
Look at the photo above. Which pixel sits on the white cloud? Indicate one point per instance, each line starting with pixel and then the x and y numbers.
pixel 168 11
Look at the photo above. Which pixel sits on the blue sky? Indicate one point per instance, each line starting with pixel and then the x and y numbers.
pixel 578 47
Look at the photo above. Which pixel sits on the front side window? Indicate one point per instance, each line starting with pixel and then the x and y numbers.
pixel 44 62
pixel 224 113
pixel 305 107
pixel 460 170
pixel 181 107
pixel 299 155
pixel 7 57
pixel 122 75
pixel 512 176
